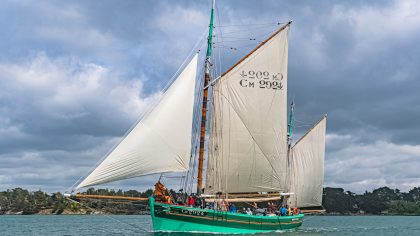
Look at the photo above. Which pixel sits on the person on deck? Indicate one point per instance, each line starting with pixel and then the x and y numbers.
pixel 232 208
pixel 168 200
pixel 224 205
pixel 160 192
pixel 270 208
pixel 283 211
pixel 273 207
pixel 199 202
pixel 289 211
pixel 191 201
pixel 248 211
pixel 179 199
pixel 254 206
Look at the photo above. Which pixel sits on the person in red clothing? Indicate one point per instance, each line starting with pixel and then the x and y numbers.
pixel 191 201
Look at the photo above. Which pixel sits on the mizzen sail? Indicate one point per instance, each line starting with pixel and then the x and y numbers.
pixel 248 139
pixel 161 142
pixel 307 167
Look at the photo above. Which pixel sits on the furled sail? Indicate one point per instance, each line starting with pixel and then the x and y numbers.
pixel 161 142
pixel 307 167
pixel 248 146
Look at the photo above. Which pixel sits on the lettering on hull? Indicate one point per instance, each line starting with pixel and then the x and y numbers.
pixel 192 212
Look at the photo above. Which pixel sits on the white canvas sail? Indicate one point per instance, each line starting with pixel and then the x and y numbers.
pixel 161 142
pixel 307 167
pixel 248 146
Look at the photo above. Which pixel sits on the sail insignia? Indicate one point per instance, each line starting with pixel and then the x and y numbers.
pixel 248 138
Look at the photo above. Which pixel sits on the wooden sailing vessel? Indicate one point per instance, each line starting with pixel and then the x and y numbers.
pixel 250 156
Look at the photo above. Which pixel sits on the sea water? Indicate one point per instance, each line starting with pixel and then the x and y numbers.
pixel 78 225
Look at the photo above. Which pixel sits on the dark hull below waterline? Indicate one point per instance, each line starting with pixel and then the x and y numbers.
pixel 166 217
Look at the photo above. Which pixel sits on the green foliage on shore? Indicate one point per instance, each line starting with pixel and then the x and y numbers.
pixel 21 201
pixel 384 200
pixel 381 201
pixel 117 206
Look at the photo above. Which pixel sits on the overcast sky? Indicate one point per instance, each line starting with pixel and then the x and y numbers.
pixel 75 75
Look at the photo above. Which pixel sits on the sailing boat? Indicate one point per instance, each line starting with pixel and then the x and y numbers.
pixel 250 155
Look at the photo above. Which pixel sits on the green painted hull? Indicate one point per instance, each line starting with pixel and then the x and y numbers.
pixel 167 217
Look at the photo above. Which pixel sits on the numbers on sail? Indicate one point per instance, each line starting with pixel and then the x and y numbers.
pixel 261 79
pixel 270 85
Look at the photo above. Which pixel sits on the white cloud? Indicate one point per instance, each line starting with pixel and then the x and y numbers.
pixel 48 110
pixel 65 88
pixel 68 25
pixel 359 166
pixel 178 27
pixel 376 26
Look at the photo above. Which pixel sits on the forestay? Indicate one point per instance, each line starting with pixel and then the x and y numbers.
pixel 307 167
pixel 161 142
pixel 248 146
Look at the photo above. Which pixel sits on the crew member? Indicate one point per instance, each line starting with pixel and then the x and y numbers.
pixel 283 211
pixel 191 201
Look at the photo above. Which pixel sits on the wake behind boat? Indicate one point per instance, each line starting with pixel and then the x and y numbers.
pixel 249 152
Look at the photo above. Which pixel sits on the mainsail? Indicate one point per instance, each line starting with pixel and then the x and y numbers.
pixel 248 141
pixel 161 142
pixel 307 167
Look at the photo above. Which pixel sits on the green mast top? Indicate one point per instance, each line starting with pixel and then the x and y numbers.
pixel 210 38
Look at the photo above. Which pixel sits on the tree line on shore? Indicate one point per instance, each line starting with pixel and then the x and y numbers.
pixel 381 201
pixel 384 200
pixel 22 201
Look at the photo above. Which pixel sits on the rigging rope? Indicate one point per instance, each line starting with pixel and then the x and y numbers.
pixel 186 183
pixel 268 23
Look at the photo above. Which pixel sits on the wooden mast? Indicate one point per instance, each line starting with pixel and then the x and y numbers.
pixel 205 90
pixel 204 105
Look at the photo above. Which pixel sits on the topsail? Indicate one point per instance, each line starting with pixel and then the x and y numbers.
pixel 161 142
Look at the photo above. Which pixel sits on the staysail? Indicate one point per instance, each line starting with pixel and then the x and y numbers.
pixel 248 141
pixel 161 142
pixel 307 167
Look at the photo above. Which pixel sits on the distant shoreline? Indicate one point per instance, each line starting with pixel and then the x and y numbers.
pixel 336 202
pixel 145 214
pixel 67 214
